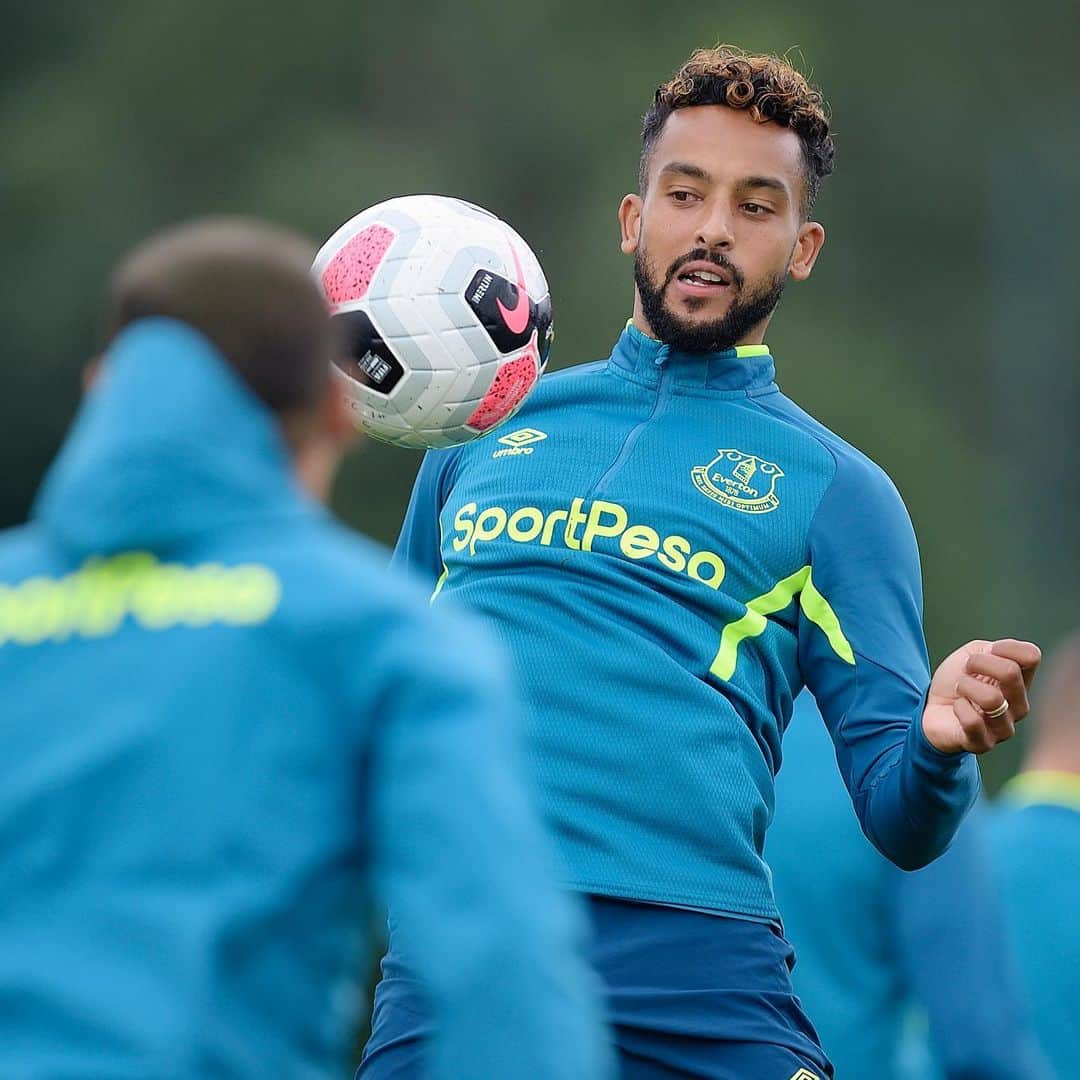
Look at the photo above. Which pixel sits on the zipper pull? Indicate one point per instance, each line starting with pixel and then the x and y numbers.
pixel 662 355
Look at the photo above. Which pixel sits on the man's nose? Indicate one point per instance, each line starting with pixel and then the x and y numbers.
pixel 716 230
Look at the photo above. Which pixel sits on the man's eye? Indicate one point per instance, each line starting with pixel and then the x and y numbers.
pixel 682 196
pixel 755 208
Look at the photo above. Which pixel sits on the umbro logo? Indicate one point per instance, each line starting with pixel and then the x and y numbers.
pixel 519 442
pixel 523 437
pixel 805 1074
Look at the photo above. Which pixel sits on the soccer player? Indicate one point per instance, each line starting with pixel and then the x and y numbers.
pixel 222 719
pixel 881 950
pixel 1035 844
pixel 680 552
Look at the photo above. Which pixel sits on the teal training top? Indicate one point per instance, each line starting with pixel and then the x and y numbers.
pixel 671 549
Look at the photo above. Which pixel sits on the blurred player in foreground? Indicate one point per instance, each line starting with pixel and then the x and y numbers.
pixel 682 549
pixel 877 946
pixel 1035 841
pixel 215 729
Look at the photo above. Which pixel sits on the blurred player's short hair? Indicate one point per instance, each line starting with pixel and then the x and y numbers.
pixel 247 287
pixel 767 87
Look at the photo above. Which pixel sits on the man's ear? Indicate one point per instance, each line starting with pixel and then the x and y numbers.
pixel 807 248
pixel 90 372
pixel 337 416
pixel 630 223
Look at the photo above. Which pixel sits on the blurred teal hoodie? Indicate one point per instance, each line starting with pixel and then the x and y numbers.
pixel 222 719
pixel 905 975
pixel 1035 844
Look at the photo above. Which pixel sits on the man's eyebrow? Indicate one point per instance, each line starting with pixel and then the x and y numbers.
pixel 683 168
pixel 770 182
pixel 696 172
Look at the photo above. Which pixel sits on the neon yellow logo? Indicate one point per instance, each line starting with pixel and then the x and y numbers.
pixel 95 600
pixel 741 481
pixel 578 528
pixel 518 442
pixel 523 437
pixel 805 1074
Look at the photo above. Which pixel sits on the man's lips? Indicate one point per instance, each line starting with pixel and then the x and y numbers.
pixel 702 278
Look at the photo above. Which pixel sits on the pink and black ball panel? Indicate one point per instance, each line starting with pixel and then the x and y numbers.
pixel 346 278
pixel 366 357
pixel 348 275
pixel 494 300
pixel 512 383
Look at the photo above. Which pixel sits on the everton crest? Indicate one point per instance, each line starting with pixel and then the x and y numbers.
pixel 744 482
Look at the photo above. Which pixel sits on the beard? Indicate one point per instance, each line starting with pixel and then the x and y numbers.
pixel 715 335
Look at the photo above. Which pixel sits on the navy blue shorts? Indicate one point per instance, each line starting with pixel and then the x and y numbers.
pixel 688 995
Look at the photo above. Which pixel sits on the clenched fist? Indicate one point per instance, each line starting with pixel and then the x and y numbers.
pixel 964 709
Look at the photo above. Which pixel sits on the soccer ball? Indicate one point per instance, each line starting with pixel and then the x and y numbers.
pixel 446 316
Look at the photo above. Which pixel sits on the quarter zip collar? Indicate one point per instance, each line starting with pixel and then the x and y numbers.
pixel 743 369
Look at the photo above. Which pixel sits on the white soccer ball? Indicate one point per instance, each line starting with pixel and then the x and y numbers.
pixel 447 319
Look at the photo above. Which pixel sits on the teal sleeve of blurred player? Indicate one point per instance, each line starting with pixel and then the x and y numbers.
pixel 905 974
pixel 468 876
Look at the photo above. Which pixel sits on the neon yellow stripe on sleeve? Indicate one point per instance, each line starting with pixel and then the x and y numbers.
pixel 445 569
pixel 815 607
pixel 754 622
pixel 818 610
pixel 439 584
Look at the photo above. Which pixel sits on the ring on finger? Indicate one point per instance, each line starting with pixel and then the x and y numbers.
pixel 1001 710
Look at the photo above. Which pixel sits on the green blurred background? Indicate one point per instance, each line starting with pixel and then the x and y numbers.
pixel 938 332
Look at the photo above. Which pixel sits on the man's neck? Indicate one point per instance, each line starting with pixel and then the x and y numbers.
pixel 1050 759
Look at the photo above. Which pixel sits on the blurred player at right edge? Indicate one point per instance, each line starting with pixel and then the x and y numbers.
pixel 893 966
pixel 1035 843
pixel 682 552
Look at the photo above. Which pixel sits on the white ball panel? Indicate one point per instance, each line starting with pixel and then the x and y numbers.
pixel 420 309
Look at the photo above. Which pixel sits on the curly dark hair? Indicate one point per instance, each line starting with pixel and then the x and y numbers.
pixel 768 87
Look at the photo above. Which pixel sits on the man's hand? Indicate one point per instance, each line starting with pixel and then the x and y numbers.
pixel 964 710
